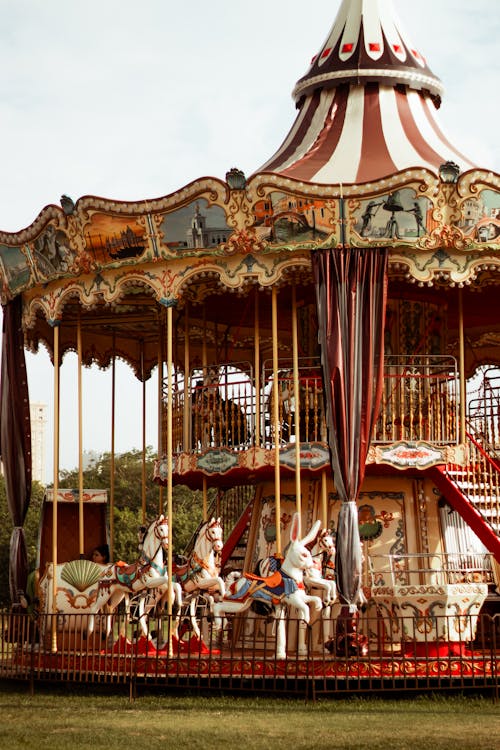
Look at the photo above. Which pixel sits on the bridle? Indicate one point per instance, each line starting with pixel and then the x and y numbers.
pixel 158 525
pixel 213 532
pixel 162 539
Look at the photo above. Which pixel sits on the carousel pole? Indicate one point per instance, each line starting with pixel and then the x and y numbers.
pixel 276 419
pixel 324 500
pixel 461 365
pixel 112 464
pixel 295 355
pixel 81 529
pixel 205 499
pixel 160 402
pixel 143 481
pixel 204 357
pixel 187 390
pixel 257 368
pixel 56 486
pixel 169 471
pixel 204 362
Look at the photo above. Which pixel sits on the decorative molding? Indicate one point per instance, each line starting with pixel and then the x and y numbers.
pixel 418 455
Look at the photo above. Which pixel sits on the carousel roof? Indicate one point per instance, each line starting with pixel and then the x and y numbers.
pixel 367 105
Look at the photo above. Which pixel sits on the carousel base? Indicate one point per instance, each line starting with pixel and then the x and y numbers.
pixel 353 658
pixel 195 660
pixel 179 647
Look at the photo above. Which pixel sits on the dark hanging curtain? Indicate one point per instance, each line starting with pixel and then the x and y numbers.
pixel 15 440
pixel 351 293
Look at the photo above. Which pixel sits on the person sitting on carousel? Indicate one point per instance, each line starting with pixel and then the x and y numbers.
pixel 100 554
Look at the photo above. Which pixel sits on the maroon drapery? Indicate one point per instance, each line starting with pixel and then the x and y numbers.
pixel 351 294
pixel 15 440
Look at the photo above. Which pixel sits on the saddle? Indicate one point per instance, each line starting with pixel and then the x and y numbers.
pixel 123 574
pixel 272 582
pixel 270 589
pixel 180 568
pixel 126 569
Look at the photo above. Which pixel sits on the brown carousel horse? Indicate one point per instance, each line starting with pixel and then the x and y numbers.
pixel 216 421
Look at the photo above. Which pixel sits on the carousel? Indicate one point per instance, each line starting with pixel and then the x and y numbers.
pixel 326 339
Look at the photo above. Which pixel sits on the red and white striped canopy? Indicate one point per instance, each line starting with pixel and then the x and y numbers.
pixel 367 105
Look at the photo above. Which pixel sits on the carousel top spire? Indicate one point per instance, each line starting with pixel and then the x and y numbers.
pixel 367 105
pixel 366 43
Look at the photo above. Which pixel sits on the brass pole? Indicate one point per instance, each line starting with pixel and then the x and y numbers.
pixel 187 389
pixel 276 418
pixel 160 415
pixel 205 499
pixel 169 455
pixel 81 527
pixel 112 465
pixel 461 365
pixel 295 355
pixel 324 499
pixel 144 509
pixel 257 368
pixel 204 361
pixel 56 486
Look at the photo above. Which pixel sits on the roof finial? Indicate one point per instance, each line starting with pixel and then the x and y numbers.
pixel 366 44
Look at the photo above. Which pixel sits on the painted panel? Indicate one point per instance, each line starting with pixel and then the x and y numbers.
pixel 287 219
pixel 481 217
pixel 15 268
pixel 111 239
pixel 399 215
pixel 195 226
pixel 381 529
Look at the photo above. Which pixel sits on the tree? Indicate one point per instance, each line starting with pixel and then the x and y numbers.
pixel 31 527
pixel 127 515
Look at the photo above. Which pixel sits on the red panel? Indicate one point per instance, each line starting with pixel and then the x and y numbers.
pixel 470 515
pixel 375 161
pixel 321 152
pixel 413 133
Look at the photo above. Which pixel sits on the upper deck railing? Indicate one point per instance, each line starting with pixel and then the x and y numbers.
pixel 419 400
pixel 418 403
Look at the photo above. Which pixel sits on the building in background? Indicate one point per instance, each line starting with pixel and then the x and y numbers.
pixel 38 414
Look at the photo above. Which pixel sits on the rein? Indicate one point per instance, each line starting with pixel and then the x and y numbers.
pixel 161 569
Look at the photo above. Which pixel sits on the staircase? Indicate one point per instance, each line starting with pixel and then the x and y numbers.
pixel 235 546
pixel 478 493
pixel 474 491
pixel 483 414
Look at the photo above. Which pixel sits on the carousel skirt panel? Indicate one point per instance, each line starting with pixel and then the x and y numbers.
pixel 132 662
pixel 190 657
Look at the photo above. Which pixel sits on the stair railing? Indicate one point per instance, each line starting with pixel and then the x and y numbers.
pixel 483 413
pixel 479 482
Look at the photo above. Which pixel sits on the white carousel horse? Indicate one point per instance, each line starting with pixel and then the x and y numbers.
pixel 284 587
pixel 321 574
pixel 201 572
pixel 119 582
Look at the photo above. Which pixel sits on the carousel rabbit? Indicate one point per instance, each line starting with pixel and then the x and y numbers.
pixel 285 587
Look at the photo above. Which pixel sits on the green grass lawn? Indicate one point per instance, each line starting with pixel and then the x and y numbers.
pixel 56 719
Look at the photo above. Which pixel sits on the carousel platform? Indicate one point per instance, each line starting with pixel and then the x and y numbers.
pixel 191 663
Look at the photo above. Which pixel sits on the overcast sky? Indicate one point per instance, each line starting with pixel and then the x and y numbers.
pixel 133 100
